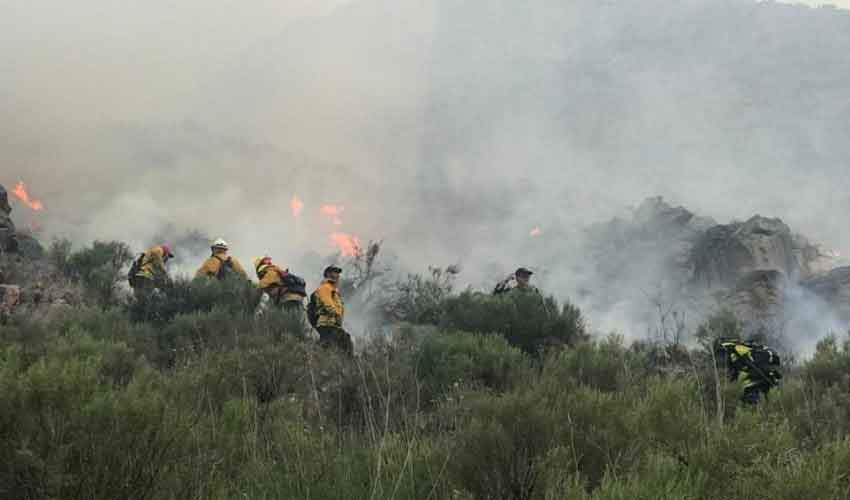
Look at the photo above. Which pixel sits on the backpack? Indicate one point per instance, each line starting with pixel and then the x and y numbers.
pixel 313 310
pixel 225 269
pixel 504 286
pixel 294 284
pixel 765 358
pixel 135 268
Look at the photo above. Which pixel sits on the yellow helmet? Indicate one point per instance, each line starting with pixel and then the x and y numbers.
pixel 261 263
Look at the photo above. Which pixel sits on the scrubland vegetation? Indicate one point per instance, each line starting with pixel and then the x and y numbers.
pixel 471 397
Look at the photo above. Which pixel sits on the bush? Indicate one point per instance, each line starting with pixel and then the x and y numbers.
pixel 419 299
pixel 448 360
pixel 234 295
pixel 606 365
pixel 67 432
pixel 526 320
pixel 502 450
pixel 830 366
pixel 98 268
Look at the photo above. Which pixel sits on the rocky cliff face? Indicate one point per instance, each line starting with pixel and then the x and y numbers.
pixel 747 267
pixel 8 240
pixel 723 254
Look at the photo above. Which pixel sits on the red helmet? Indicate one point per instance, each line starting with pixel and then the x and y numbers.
pixel 166 251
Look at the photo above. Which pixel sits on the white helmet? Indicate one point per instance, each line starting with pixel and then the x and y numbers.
pixel 220 244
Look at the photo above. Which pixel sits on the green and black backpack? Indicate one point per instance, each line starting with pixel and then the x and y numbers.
pixel 225 269
pixel 313 310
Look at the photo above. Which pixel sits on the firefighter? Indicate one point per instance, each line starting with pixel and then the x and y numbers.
pixel 220 265
pixel 283 288
pixel 326 311
pixel 148 272
pixel 519 280
pixel 753 364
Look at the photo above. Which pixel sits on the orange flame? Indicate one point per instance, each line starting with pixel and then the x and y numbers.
pixel 348 245
pixel 296 205
pixel 536 232
pixel 334 212
pixel 21 193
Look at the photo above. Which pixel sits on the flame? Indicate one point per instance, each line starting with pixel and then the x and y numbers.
pixel 21 193
pixel 348 245
pixel 296 205
pixel 536 232
pixel 334 212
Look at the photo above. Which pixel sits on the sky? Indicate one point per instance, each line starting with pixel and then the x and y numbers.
pixel 448 128
pixel 844 4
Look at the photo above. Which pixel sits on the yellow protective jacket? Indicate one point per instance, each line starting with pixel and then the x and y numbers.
pixel 271 282
pixel 330 307
pixel 211 266
pixel 153 264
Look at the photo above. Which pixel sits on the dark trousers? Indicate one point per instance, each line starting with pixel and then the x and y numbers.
pixel 143 288
pixel 753 394
pixel 334 336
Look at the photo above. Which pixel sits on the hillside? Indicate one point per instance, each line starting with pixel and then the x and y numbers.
pixel 464 395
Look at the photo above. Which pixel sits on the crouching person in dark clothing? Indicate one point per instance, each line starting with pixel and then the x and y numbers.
pixel 326 311
pixel 755 365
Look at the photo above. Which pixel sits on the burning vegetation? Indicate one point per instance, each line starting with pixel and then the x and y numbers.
pixel 22 194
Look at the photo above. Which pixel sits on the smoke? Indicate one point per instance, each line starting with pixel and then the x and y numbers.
pixel 451 129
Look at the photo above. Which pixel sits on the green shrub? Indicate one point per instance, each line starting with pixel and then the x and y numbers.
pixel 447 360
pixel 419 299
pixel 66 431
pixel 527 320
pixel 660 478
pixel 234 295
pixel 502 451
pixel 831 364
pixel 606 365
pixel 99 268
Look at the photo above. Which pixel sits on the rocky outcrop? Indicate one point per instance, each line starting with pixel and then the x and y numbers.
pixel 8 239
pixel 669 255
pixel 758 299
pixel 10 298
pixel 812 259
pixel 726 253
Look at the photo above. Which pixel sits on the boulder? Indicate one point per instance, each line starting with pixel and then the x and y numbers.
pixel 726 253
pixel 10 298
pixel 8 239
pixel 758 300
pixel 812 259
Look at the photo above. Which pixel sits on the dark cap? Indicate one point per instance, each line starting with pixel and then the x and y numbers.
pixel 332 269
pixel 524 271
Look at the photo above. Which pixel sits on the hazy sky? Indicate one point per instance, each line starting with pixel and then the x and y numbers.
pixel 845 4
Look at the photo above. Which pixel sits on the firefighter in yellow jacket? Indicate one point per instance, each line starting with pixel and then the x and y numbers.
pixel 326 312
pixel 756 365
pixel 220 265
pixel 148 271
pixel 283 288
